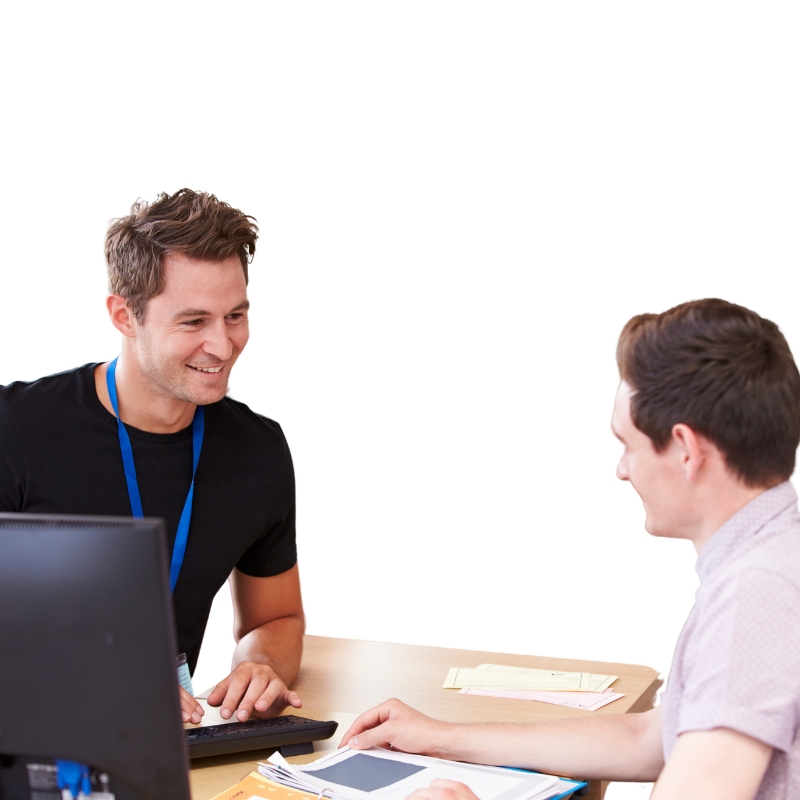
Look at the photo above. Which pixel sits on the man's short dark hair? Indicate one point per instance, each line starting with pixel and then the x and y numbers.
pixel 194 224
pixel 725 372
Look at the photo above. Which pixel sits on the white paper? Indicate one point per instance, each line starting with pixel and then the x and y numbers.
pixel 488 783
pixel 585 701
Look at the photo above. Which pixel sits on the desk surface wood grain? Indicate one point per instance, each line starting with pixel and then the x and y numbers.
pixel 341 678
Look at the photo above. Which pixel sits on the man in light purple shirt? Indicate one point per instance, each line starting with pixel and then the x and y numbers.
pixel 708 411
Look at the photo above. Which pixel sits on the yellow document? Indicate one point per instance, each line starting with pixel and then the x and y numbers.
pixel 256 787
pixel 596 683
pixel 498 677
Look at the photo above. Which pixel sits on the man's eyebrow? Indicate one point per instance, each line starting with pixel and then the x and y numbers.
pixel 199 312
pixel 614 431
pixel 191 312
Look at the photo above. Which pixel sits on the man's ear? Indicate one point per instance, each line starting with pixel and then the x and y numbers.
pixel 690 450
pixel 121 315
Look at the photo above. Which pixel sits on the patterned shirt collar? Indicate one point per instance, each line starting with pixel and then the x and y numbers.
pixel 746 522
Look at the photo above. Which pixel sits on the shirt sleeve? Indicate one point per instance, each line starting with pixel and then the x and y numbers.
pixel 276 551
pixel 745 668
pixel 12 464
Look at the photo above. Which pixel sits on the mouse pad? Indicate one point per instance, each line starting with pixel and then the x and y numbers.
pixel 366 773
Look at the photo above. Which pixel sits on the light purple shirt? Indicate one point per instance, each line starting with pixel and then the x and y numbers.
pixel 737 661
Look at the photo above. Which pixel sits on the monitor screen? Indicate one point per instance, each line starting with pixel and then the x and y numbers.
pixel 87 657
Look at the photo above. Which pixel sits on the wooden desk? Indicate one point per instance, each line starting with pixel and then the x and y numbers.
pixel 341 678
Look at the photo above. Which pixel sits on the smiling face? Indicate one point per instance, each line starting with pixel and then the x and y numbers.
pixel 194 330
pixel 658 478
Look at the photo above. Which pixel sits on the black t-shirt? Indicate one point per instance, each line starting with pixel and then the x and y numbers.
pixel 60 454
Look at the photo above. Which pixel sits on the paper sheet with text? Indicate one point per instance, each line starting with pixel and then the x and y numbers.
pixel 583 701
pixel 504 678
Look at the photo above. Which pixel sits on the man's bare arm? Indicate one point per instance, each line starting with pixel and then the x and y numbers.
pixel 268 621
pixel 713 765
pixel 268 628
pixel 623 747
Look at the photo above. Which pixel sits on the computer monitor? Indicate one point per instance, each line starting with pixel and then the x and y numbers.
pixel 87 657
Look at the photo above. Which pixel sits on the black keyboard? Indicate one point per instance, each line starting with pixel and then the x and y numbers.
pixel 288 734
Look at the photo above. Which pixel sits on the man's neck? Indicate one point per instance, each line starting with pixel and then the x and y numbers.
pixel 718 507
pixel 140 406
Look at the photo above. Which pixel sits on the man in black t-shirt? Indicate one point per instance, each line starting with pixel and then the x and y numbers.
pixel 178 295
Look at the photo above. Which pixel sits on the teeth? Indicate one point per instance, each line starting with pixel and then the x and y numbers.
pixel 208 369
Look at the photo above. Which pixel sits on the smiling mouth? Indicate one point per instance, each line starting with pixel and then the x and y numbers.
pixel 212 370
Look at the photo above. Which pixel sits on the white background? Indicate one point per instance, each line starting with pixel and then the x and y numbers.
pixel 461 204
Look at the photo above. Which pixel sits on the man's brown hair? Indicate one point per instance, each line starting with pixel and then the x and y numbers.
pixel 725 372
pixel 194 224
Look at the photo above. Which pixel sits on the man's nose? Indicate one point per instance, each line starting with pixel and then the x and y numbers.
pixel 622 470
pixel 217 342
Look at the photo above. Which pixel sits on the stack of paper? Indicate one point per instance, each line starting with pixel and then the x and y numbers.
pixel 379 774
pixel 583 690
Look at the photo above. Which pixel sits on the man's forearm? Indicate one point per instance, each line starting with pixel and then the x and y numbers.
pixel 278 643
pixel 619 747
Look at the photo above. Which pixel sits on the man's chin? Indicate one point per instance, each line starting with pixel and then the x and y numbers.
pixel 650 524
pixel 207 399
pixel 656 528
pixel 207 395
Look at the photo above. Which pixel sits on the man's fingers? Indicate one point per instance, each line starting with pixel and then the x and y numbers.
pixel 368 720
pixel 427 794
pixel 444 783
pixel 258 689
pixel 252 688
pixel 191 710
pixel 218 692
pixel 285 698
pixel 379 736
pixel 236 691
pixel 276 697
pixel 442 789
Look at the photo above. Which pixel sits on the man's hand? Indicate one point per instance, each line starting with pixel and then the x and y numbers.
pixel 394 724
pixel 191 710
pixel 441 789
pixel 252 690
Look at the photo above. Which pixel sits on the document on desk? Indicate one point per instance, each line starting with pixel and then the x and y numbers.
pixel 378 774
pixel 584 701
pixel 597 683
pixel 502 678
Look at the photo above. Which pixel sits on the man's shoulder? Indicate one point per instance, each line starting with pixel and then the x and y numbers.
pixel 237 418
pixel 763 576
pixel 49 390
pixel 774 551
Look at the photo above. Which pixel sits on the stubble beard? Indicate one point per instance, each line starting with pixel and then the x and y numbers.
pixel 172 381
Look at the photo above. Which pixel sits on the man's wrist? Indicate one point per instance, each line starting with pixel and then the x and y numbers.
pixel 448 740
pixel 464 741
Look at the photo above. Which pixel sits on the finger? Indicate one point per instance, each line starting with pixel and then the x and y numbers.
pixel 239 682
pixel 285 698
pixel 278 705
pixel 218 692
pixel 275 693
pixel 453 789
pixel 442 789
pixel 191 710
pixel 366 721
pixel 379 736
pixel 430 794
pixel 258 688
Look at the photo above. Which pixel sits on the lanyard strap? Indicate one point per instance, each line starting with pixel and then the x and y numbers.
pixel 198 428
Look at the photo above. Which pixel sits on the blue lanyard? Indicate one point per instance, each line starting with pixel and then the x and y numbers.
pixel 198 427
